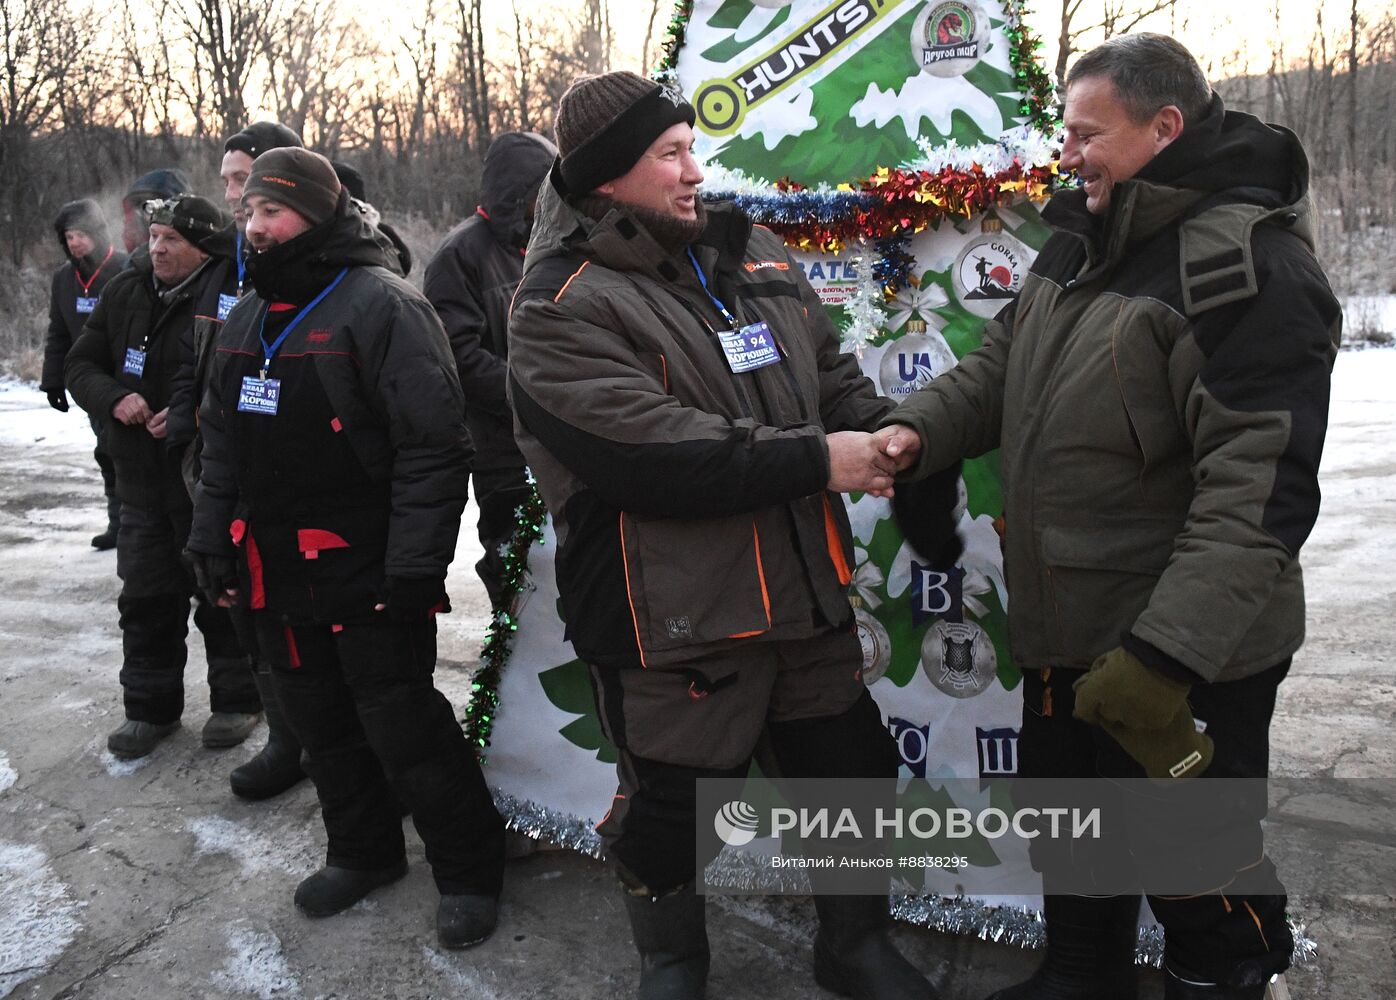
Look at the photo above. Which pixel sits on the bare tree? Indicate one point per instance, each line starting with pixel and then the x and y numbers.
pixel 1110 17
pixel 227 37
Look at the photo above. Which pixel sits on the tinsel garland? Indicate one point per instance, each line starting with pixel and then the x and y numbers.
pixel 1039 103
pixel 866 315
pixel 666 70
pixel 478 720
pixel 895 202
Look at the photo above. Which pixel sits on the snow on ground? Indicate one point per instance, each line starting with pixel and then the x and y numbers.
pixel 38 919
pixel 7 773
pixel 257 966
pixel 256 852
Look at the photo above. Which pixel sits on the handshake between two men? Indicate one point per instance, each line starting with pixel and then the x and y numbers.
pixel 868 463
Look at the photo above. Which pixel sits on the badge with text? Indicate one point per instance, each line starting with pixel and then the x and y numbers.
pixel 86 304
pixel 749 348
pixel 225 306
pixel 259 395
pixel 135 362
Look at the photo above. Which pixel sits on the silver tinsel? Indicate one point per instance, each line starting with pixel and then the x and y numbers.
pixel 745 873
pixel 552 825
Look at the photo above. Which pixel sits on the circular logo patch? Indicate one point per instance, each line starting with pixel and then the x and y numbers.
pixel 911 361
pixel 948 38
pixel 959 658
pixel 989 273
pixel 877 646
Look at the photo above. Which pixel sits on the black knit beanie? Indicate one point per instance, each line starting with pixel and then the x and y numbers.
pixel 260 137
pixel 297 178
pixel 605 123
pixel 194 218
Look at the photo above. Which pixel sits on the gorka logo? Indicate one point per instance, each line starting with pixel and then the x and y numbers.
pixel 989 272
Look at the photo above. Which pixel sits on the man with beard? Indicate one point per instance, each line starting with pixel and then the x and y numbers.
pixel 681 398
pixel 330 499
pixel 471 281
pixel 92 261
pixel 1159 393
pixel 121 368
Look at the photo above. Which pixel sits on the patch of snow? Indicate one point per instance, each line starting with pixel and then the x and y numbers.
pixel 255 852
pixel 7 773
pixel 26 418
pixel 113 765
pixel 470 982
pixel 257 966
pixel 37 918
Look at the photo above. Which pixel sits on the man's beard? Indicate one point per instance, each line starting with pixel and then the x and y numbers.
pixel 671 233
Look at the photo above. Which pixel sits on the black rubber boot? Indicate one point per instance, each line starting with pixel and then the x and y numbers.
pixel 671 935
pixel 1091 943
pixel 465 921
pixel 332 890
pixel 107 539
pixel 133 740
pixel 854 957
pixel 277 767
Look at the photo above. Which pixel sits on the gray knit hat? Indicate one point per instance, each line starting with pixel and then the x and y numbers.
pixel 303 180
pixel 605 123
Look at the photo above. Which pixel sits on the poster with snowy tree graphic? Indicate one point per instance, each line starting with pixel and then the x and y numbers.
pixel 840 123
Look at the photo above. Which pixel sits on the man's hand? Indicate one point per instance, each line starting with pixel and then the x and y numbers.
pixel 413 599
pixel 215 576
pixel 58 399
pixel 856 463
pixel 899 443
pixel 156 425
pixel 132 409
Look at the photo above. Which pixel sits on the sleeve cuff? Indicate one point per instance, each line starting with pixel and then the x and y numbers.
pixel 1158 661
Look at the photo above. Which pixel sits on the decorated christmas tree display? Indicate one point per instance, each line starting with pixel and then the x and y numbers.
pixel 901 148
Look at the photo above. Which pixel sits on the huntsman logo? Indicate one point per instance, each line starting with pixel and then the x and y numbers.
pixel 735 823
pixel 722 104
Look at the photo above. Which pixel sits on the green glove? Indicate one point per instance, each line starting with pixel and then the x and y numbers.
pixel 1146 713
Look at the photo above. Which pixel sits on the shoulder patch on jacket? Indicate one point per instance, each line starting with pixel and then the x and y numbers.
pixel 548 279
pixel 1215 256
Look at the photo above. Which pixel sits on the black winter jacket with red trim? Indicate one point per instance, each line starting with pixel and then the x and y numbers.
pixel 689 501
pixel 361 473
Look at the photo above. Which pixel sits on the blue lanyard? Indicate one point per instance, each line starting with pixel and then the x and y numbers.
pixel 268 351
pixel 716 301
pixel 241 262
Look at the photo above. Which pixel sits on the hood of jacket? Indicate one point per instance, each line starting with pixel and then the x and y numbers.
pixel 295 271
pixel 515 165
pixel 1228 157
pixel 85 215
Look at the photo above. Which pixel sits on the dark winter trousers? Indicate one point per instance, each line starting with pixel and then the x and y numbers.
pixel 154 609
pixel 1215 936
pixel 671 727
pixel 360 698
pixel 498 493
pixel 103 459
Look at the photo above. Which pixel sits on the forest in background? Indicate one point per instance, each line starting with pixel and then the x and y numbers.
pixel 93 95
